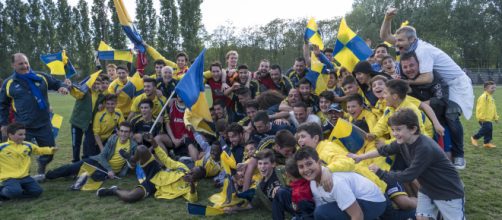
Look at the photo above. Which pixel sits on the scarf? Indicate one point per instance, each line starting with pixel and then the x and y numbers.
pixel 30 78
pixel 413 46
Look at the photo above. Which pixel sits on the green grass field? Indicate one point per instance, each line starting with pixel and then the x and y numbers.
pixel 57 202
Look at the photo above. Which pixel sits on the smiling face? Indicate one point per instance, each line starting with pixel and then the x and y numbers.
pixel 216 70
pixel 380 52
pixel 305 140
pixel 266 167
pixel 309 169
pixel 122 75
pixel 149 88
pixel 299 67
pixel 110 105
pixel 243 75
pixel 124 133
pixel 305 91
pixel 181 61
pixel 354 109
pixel 21 64
pixel 324 104
pixel 158 68
pixel 378 88
pixel 167 73
pixel 234 138
pixel 275 74
pixel 264 67
pixel 402 133
pixel 362 78
pixel 18 137
pixel 232 60
pixel 388 66
pixel 403 42
pixel 300 114
pixel 350 89
pixel 410 68
pixel 111 72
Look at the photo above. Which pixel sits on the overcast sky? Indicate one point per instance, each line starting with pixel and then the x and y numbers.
pixel 244 13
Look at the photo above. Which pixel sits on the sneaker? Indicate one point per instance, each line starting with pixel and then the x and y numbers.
pixel 39 178
pixel 459 163
pixel 127 157
pixel 102 192
pixel 489 146
pixel 474 141
pixel 41 168
pixel 81 180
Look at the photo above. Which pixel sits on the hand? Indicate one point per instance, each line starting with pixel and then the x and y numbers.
pixel 391 12
pixel 370 136
pixel 224 86
pixel 159 93
pixel 63 91
pixel 235 86
pixel 326 180
pixel 356 157
pixel 54 149
pixel 148 137
pixel 374 168
pixel 67 82
pixel 380 143
pixel 396 76
pixel 111 174
pixel 316 49
pixel 281 121
pixel 439 129
pixel 274 191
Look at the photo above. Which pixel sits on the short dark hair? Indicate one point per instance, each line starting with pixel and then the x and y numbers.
pixel 122 67
pixel 355 97
pixel 399 87
pixel 159 62
pixel 292 168
pixel 405 116
pixel 217 64
pixel 488 83
pixel 349 80
pixel 220 103
pixel 125 124
pixel 243 91
pixel 182 54
pixel 311 128
pixel 146 101
pixel 300 59
pixel 149 80
pixel 235 128
pixel 383 45
pixel 386 57
pixel 300 105
pixel 251 104
pixel 407 56
pixel 12 128
pixel 265 154
pixel 305 153
pixel 221 125
pixel 111 97
pixel 276 67
pixel 378 77
pixel 328 50
pixel 242 67
pixel 261 116
pixel 328 95
pixel 285 139
pixel 304 81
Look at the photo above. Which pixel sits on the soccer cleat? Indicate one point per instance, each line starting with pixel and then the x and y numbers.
pixel 81 180
pixel 102 192
pixel 459 163
pixel 474 141
pixel 489 146
pixel 127 157
pixel 39 178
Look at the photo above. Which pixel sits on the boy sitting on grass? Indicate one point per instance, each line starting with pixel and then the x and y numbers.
pixel 440 185
pixel 15 162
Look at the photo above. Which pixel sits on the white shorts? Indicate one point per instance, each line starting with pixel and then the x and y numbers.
pixel 449 209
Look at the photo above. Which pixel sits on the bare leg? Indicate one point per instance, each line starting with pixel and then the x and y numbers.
pixel 131 196
pixel 193 152
pixel 164 142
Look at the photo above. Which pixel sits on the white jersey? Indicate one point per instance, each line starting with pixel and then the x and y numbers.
pixel 460 85
pixel 347 187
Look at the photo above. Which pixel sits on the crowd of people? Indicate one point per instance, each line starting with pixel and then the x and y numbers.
pixel 271 138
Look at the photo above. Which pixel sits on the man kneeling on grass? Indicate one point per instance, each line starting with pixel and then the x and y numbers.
pixel 440 185
pixel 108 163
pixel 175 181
pixel 15 162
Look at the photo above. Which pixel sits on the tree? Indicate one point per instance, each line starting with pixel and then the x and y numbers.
pixel 17 27
pixel 100 22
pixel 146 20
pixel 64 27
pixel 168 36
pixel 190 23
pixel 35 22
pixel 4 61
pixel 83 39
pixel 117 37
pixel 48 30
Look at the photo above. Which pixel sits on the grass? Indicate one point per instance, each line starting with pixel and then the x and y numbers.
pixel 57 202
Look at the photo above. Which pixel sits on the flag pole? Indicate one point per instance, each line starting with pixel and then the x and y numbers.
pixel 161 111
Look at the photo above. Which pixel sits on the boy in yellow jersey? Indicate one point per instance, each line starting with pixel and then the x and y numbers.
pixel 175 181
pixel 15 162
pixel 360 116
pixel 106 121
pixel 334 155
pixel 486 113
pixel 149 92
pixel 116 86
pixel 108 160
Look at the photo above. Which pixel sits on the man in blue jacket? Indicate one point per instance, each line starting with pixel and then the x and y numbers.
pixel 26 93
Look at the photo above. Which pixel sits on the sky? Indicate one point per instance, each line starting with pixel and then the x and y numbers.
pixel 245 13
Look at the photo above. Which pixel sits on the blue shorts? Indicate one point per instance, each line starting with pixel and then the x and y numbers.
pixel 151 169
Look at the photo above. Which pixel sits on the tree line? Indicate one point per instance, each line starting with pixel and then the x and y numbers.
pixel 470 31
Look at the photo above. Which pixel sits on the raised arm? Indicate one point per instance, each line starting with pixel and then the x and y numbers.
pixel 385 29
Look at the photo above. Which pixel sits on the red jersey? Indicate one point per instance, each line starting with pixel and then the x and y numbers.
pixel 300 191
pixel 176 122
pixel 217 93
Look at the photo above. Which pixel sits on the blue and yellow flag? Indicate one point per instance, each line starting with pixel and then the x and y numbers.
pixel 105 52
pixel 134 87
pixel 140 173
pixel 196 209
pixel 59 64
pixel 90 184
pixel 351 137
pixel 317 75
pixel 313 35
pixel 56 121
pixel 128 26
pixel 350 48
pixel 191 89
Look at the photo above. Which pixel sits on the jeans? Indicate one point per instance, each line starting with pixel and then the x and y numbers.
pixel 282 202
pixel 456 134
pixel 73 169
pixel 25 187
pixel 44 138
pixel 371 210
pixel 485 131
